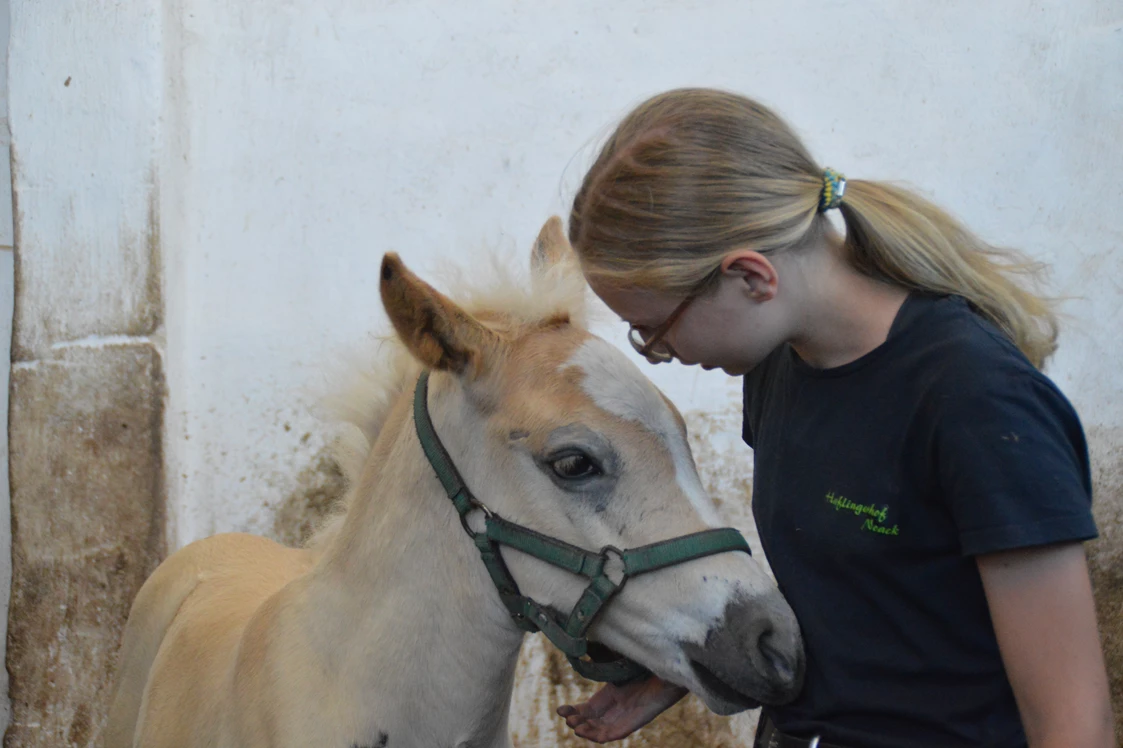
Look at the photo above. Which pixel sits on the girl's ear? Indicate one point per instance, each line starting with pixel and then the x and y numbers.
pixel 756 270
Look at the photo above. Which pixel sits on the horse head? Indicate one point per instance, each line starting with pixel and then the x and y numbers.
pixel 555 430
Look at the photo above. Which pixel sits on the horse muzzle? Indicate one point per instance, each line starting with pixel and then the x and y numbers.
pixel 753 656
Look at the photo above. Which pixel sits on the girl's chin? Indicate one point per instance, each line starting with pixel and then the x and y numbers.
pixel 733 371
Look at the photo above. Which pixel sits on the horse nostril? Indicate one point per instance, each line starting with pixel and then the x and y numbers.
pixel 775 658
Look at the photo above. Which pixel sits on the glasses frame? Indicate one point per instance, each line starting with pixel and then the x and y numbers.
pixel 653 348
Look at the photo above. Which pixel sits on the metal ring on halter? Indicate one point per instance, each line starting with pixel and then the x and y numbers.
pixel 607 553
pixel 814 743
pixel 488 514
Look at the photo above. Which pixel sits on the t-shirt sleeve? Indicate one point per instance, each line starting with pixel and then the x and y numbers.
pixel 1012 461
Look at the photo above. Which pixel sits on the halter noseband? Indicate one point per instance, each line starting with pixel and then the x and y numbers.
pixel 607 570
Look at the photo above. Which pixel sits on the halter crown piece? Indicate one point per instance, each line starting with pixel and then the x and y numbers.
pixel 607 569
pixel 834 187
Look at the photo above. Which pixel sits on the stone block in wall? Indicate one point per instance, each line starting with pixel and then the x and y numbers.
pixel 87 529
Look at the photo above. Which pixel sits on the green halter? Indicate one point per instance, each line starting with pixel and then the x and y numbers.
pixel 607 570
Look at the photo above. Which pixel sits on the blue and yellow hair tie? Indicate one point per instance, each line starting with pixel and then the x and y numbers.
pixel 834 187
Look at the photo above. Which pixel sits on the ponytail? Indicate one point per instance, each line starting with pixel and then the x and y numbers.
pixel 897 236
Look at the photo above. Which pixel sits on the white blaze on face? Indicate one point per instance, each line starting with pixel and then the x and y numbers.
pixel 616 385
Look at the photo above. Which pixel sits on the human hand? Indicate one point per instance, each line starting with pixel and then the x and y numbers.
pixel 615 712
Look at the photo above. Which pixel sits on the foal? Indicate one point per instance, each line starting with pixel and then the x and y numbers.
pixel 387 631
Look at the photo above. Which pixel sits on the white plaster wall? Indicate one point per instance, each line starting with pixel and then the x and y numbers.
pixel 310 136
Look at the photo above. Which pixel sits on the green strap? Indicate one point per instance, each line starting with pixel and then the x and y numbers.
pixel 555 552
pixel 492 559
pixel 636 560
pixel 595 597
pixel 572 646
pixel 464 501
pixel 685 548
pixel 431 444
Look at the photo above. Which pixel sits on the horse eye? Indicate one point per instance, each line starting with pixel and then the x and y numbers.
pixel 572 467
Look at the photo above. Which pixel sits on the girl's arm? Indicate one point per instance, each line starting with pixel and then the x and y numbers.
pixel 1040 600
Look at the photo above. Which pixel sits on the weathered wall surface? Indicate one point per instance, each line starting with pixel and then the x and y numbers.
pixel 1105 555
pixel 87 529
pixel 7 300
pixel 87 389
pixel 281 148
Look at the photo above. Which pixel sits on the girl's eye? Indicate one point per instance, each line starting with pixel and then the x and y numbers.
pixel 573 467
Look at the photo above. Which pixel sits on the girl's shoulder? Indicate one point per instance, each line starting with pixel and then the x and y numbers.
pixel 935 343
pixel 957 352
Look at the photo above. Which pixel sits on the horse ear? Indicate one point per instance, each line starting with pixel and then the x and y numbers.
pixel 551 248
pixel 437 332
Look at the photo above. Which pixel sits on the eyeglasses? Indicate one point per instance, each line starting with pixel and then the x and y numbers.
pixel 652 346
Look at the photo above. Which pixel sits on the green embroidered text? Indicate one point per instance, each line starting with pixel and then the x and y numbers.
pixel 841 502
pixel 875 516
pixel 881 529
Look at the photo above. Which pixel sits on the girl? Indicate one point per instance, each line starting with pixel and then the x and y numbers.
pixel 921 489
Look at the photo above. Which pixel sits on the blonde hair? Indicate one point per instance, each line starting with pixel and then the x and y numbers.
pixel 693 174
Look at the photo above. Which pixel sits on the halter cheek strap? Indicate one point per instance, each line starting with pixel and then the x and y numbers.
pixel 608 570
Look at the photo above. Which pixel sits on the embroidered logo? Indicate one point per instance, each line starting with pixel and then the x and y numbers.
pixel 875 516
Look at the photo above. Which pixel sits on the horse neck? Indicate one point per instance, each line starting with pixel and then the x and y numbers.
pixel 416 599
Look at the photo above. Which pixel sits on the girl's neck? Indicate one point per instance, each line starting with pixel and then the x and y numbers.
pixel 843 315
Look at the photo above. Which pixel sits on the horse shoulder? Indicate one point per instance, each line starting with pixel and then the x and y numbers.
pixel 228 577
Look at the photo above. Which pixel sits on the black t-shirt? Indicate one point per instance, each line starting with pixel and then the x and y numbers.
pixel 875 484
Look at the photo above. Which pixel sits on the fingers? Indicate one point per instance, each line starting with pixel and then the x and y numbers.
pixel 615 712
pixel 588 725
pixel 600 733
pixel 596 706
pixel 611 722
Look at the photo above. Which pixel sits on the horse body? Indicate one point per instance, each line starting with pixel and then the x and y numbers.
pixel 273 646
pixel 387 630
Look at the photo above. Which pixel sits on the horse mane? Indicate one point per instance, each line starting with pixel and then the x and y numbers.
pixel 502 294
